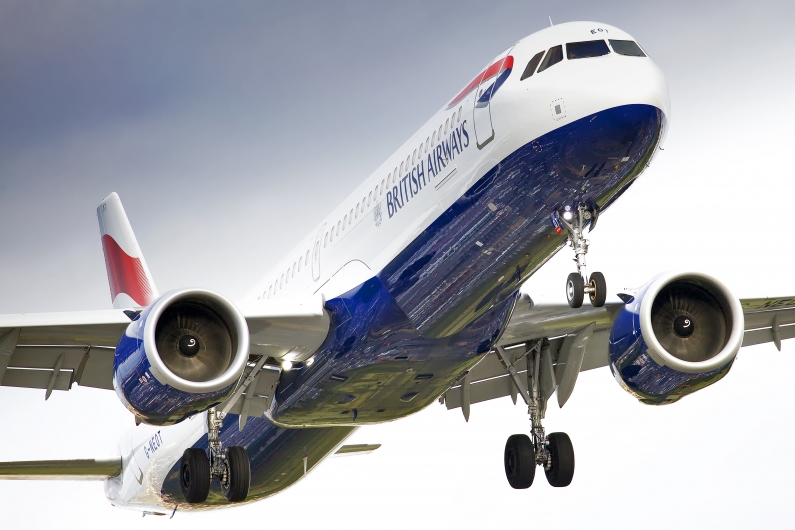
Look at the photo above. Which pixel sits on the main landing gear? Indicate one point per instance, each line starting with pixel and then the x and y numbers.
pixel 574 219
pixel 553 452
pixel 230 466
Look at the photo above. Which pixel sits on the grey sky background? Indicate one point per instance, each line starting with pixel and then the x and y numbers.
pixel 230 129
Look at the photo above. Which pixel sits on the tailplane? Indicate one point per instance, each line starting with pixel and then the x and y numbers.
pixel 131 283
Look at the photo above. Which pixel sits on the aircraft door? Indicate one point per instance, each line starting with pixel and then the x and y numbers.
pixel 316 253
pixel 491 79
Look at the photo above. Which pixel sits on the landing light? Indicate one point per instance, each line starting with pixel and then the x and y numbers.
pixel 567 215
pixel 310 361
pixel 287 365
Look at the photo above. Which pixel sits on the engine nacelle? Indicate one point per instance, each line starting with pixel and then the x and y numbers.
pixel 679 334
pixel 180 356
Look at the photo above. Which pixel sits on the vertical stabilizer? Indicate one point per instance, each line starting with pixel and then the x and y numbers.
pixel 131 283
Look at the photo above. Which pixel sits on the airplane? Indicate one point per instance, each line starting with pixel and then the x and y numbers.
pixel 408 293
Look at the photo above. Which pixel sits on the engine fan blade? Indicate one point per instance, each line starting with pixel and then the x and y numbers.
pixel 701 331
pixel 193 341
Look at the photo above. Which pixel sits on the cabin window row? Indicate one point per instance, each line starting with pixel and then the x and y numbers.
pixel 373 196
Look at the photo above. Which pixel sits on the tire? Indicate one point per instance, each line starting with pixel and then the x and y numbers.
pixel 520 461
pixel 561 472
pixel 598 283
pixel 575 290
pixel 194 475
pixel 238 474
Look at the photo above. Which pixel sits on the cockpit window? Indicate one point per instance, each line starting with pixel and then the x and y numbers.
pixel 531 66
pixel 627 47
pixel 585 49
pixel 554 56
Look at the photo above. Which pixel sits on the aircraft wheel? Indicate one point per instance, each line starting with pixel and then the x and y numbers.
pixel 238 474
pixel 575 290
pixel 194 475
pixel 599 293
pixel 520 461
pixel 561 471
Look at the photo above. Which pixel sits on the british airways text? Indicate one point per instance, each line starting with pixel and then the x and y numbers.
pixel 413 182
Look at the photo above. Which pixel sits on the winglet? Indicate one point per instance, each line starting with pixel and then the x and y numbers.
pixel 131 283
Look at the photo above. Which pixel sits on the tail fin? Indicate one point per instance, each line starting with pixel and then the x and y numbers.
pixel 131 283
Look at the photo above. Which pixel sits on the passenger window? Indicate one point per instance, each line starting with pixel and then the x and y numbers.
pixel 382 187
pixel 440 132
pixel 325 240
pixel 586 49
pixel 299 264
pixel 350 217
pixel 344 221
pixel 401 168
pixel 363 199
pixel 413 157
pixel 407 163
pixel 531 66
pixel 433 138
pixel 459 114
pixel 627 47
pixel 554 56
pixel 338 227
pixel 306 260
pixel 395 175
pixel 293 273
pixel 281 282
pixel 446 123
pixel 357 209
pixel 369 198
pixel 427 142
pixel 375 193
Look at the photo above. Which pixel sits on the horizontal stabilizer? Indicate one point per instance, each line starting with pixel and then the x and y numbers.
pixel 61 469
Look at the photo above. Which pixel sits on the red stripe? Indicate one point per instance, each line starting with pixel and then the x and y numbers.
pixel 494 69
pixel 125 274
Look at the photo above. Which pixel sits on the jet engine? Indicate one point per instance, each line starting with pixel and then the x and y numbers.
pixel 180 356
pixel 680 333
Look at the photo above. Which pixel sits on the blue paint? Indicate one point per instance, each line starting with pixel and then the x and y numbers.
pixel 474 256
pixel 145 396
pixel 638 373
pixel 442 302
pixel 371 353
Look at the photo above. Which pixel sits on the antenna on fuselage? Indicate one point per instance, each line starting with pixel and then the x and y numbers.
pixel 550 21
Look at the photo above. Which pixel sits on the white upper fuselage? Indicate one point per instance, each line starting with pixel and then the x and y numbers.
pixel 353 237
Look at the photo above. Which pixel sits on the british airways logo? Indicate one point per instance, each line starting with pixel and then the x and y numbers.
pixel 422 174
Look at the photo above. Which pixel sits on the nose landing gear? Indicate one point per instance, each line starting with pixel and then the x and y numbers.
pixel 230 466
pixel 574 220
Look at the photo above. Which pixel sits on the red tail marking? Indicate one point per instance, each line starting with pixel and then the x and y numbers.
pixel 125 273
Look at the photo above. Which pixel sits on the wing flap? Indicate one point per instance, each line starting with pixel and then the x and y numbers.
pixel 22 378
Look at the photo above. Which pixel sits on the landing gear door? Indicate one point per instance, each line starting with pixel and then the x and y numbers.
pixel 492 78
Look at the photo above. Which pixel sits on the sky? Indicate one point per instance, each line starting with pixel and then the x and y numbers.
pixel 229 129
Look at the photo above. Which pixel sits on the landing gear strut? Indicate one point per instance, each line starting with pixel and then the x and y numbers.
pixel 578 284
pixel 230 466
pixel 553 452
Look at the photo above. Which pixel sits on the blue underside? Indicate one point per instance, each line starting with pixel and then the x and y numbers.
pixel 398 340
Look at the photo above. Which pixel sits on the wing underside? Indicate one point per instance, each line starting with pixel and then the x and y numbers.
pixel 766 320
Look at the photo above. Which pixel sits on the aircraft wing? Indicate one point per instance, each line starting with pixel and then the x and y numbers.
pixel 54 351
pixel 578 341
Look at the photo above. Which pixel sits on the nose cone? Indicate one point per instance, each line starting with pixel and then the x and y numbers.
pixel 575 88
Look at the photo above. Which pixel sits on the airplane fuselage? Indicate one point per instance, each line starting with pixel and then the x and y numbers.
pixel 421 265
